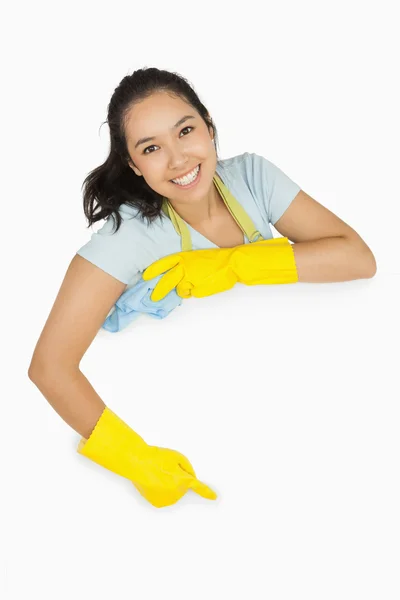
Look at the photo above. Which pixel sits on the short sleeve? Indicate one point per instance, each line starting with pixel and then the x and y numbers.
pixel 115 252
pixel 271 186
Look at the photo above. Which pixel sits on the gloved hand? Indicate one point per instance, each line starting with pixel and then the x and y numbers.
pixel 202 273
pixel 161 475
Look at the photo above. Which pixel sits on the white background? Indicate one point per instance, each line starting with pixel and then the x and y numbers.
pixel 284 398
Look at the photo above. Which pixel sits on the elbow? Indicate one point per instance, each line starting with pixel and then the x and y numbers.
pixel 44 369
pixel 33 369
pixel 363 259
pixel 39 364
pixel 41 369
pixel 365 263
pixel 36 371
pixel 371 266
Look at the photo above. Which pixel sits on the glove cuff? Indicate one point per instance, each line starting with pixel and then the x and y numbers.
pixel 266 262
pixel 113 445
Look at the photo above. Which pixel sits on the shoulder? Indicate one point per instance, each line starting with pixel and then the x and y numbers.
pixel 133 226
pixel 233 163
pixel 258 172
pixel 249 169
pixel 271 188
pixel 123 252
pixel 247 165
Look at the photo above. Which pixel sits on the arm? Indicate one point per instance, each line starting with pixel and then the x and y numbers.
pixel 86 296
pixel 326 249
pixel 333 259
pixel 82 304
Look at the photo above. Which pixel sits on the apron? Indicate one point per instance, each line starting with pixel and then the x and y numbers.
pixel 237 211
pixel 134 300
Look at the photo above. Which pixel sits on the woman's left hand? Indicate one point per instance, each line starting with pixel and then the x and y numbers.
pixel 196 273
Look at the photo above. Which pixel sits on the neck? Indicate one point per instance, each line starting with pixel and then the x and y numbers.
pixel 201 212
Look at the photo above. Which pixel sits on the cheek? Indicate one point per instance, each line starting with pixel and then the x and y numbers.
pixel 200 148
pixel 154 170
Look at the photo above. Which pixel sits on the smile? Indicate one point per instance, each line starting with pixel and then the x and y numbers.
pixel 189 179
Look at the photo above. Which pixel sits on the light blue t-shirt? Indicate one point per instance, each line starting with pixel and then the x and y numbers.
pixel 264 191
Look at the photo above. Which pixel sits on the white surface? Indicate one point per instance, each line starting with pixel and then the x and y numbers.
pixel 290 407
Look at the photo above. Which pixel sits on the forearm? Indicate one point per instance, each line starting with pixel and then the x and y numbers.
pixel 333 259
pixel 72 397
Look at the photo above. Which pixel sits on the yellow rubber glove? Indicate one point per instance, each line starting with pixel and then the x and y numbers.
pixel 202 273
pixel 161 475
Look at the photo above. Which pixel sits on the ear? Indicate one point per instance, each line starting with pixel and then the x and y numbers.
pixel 210 129
pixel 135 169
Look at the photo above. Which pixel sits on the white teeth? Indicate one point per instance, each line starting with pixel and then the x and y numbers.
pixel 188 178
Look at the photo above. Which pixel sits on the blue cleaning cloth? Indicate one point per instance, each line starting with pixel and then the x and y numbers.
pixel 136 300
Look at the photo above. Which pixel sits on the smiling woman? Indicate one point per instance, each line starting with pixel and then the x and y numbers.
pixel 160 107
pixel 182 159
pixel 208 227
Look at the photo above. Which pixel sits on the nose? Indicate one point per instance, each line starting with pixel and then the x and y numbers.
pixel 177 158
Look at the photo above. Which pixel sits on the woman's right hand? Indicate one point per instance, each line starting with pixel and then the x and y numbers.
pixel 164 476
pixel 161 475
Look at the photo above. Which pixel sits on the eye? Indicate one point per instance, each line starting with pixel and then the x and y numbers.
pixel 187 128
pixel 153 146
pixel 145 150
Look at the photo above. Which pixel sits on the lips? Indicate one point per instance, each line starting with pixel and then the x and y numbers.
pixel 187 173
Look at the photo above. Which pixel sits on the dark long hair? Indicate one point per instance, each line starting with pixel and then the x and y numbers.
pixel 114 182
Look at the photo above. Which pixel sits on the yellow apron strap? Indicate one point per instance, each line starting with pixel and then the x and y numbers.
pixel 237 211
pixel 180 226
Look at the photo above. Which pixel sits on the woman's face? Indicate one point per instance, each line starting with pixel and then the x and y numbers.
pixel 174 151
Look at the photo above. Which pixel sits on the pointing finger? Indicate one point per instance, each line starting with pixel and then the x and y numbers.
pixel 203 490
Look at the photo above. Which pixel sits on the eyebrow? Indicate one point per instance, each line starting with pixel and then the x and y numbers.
pixel 149 139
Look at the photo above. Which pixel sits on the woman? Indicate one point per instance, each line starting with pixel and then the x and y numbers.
pixel 176 212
